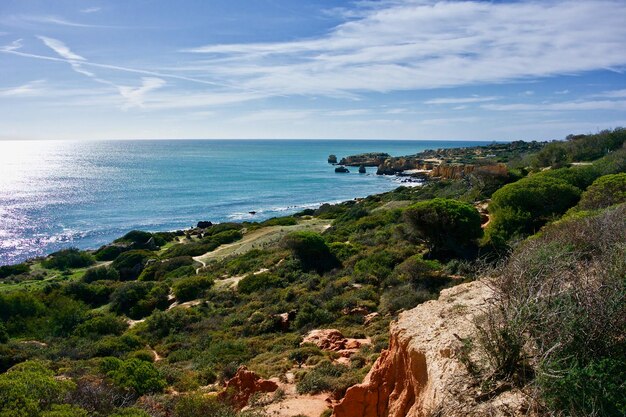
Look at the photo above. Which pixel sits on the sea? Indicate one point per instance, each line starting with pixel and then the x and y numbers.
pixel 59 194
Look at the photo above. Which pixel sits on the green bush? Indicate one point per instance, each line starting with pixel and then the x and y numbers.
pixel 101 273
pixel 68 258
pixel 138 299
pixel 257 282
pixel 93 294
pixel 130 264
pixel 30 388
pixel 157 271
pixel 604 192
pixel 129 412
pixel 311 250
pixel 65 410
pixel 8 270
pixel 109 252
pixel 102 325
pixel 191 288
pixel 522 207
pixel 446 225
pixel 280 221
pixel 135 374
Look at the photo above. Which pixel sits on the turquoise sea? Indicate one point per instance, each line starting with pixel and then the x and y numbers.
pixel 57 194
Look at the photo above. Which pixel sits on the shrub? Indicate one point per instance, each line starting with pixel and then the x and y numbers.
pixel 65 410
pixel 138 299
pixel 257 282
pixel 93 294
pixel 524 206
pixel 101 273
pixel 129 412
pixel 102 325
pixel 157 271
pixel 130 264
pixel 110 252
pixel 446 225
pixel 280 221
pixel 559 312
pixel 311 250
pixel 191 288
pixel 68 258
pixel 30 388
pixel 138 375
pixel 604 192
pixel 8 270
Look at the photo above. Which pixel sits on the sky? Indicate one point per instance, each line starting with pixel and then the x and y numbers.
pixel 388 69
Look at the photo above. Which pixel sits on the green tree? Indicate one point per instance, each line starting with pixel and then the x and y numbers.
pixel 446 225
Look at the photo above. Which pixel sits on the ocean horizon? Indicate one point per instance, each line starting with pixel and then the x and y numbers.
pixel 59 194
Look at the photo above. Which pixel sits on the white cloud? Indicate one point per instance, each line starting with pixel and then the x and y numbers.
pixel 349 112
pixel 460 100
pixel 13 46
pixel 614 94
pixel 135 96
pixel 91 10
pixel 409 45
pixel 33 88
pixel 562 92
pixel 60 48
pixel 562 106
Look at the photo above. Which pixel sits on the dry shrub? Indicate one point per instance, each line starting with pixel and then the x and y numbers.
pixel 558 317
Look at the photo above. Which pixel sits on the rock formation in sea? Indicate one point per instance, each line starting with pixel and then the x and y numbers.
pixel 341 170
pixel 332 159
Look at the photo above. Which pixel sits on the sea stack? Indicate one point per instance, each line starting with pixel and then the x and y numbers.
pixel 362 169
pixel 341 170
pixel 332 159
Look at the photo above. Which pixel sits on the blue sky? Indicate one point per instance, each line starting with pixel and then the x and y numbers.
pixel 389 69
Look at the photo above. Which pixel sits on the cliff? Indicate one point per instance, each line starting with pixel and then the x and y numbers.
pixel 458 171
pixel 422 373
pixel 372 159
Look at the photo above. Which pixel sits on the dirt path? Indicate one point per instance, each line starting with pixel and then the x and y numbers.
pixel 260 238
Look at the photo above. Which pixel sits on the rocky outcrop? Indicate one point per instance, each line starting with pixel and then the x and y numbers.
pixel 458 171
pixel 372 159
pixel 341 170
pixel 332 159
pixel 421 373
pixel 333 340
pixel 393 166
pixel 362 169
pixel 243 385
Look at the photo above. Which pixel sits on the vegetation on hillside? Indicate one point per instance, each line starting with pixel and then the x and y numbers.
pixel 141 327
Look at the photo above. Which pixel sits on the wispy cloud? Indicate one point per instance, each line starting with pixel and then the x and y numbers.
pixel 589 105
pixel 460 100
pixel 38 20
pixel 135 96
pixel 60 48
pixel 29 89
pixel 91 10
pixel 614 94
pixel 419 44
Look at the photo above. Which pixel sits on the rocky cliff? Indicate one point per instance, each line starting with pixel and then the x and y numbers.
pixel 372 159
pixel 422 373
pixel 458 171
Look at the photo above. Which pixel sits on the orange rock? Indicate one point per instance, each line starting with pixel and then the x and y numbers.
pixel 243 385
pixel 420 372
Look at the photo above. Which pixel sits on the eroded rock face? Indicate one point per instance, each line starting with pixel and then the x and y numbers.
pixel 243 385
pixel 421 372
pixel 333 340
pixel 458 171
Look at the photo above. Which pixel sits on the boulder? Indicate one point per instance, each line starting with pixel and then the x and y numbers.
pixel 332 159
pixel 362 169
pixel 204 224
pixel 238 390
pixel 326 339
pixel 341 170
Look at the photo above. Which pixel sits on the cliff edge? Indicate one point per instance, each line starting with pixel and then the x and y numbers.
pixel 422 373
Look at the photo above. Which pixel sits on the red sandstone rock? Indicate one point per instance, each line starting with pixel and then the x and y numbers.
pixel 243 385
pixel 421 373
